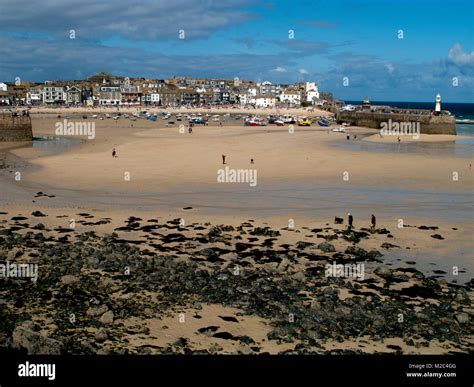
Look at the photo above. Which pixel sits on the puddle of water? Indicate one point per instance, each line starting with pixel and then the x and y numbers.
pixel 54 143
pixel 428 261
pixel 459 147
pixel 324 200
pixel 51 144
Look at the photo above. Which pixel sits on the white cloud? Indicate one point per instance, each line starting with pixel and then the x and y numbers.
pixel 390 68
pixel 279 70
pixel 303 71
pixel 457 56
pixel 134 20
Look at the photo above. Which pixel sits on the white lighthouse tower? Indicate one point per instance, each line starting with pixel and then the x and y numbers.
pixel 438 104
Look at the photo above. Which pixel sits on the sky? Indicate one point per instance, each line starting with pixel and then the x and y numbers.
pixel 386 50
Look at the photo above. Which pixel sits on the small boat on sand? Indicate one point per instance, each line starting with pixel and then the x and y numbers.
pixel 323 123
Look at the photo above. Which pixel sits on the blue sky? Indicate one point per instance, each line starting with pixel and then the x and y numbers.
pixel 356 40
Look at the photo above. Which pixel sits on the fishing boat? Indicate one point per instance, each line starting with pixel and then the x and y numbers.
pixel 287 119
pixel 272 119
pixel 255 121
pixel 197 121
pixel 304 121
pixel 323 123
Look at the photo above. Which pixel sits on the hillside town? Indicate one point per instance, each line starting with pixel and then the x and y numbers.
pixel 105 89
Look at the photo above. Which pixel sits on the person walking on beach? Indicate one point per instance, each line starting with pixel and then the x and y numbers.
pixel 398 139
pixel 251 161
pixel 223 159
pixel 350 220
pixel 373 222
pixel 114 152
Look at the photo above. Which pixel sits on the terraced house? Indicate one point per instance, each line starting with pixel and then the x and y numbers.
pixel 73 95
pixel 131 95
pixel 108 95
pixel 54 94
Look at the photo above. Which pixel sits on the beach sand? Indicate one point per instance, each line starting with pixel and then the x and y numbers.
pixel 161 157
pixel 414 139
pixel 174 175
pixel 169 170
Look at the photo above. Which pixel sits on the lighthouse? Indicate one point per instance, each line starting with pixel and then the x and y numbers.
pixel 438 104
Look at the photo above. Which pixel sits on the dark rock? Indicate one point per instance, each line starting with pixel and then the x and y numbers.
pixel 242 246
pixel 387 245
pixel 356 251
pixel 303 245
pixel 326 247
pixel 265 231
pixel 384 272
pixel 24 337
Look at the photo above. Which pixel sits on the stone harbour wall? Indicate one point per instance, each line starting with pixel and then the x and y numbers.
pixel 15 128
pixel 429 124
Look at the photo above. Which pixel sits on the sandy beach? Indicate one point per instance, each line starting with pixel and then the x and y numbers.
pixel 309 175
pixel 167 178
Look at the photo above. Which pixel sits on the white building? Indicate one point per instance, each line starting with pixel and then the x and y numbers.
pixel 310 86
pixel 290 97
pixel 252 91
pixel 3 86
pixel 54 94
pixel 154 98
pixel 34 96
pixel 243 98
pixel 312 96
pixel 264 101
pixel 309 92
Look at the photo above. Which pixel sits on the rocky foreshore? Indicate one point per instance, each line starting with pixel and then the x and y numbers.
pixel 159 287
